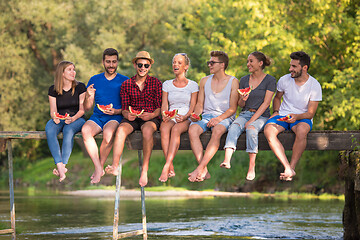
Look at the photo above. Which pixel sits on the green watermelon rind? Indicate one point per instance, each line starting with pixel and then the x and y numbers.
pixel 138 113
pixel 244 91
pixel 198 117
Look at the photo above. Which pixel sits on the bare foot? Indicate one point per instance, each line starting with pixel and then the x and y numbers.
pixel 225 165
pixel 203 175
pixel 171 173
pixel 97 176
pixel 92 176
pixel 287 175
pixel 164 175
pixel 61 171
pixel 143 179
pixel 193 175
pixel 250 175
pixel 56 172
pixel 112 170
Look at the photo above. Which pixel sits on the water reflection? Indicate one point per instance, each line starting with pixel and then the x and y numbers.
pixel 65 217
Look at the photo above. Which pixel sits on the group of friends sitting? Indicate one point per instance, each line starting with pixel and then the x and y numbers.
pixel 142 102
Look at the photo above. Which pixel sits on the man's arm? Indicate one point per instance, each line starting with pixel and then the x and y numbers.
pixel 312 107
pixel 276 103
pixel 199 106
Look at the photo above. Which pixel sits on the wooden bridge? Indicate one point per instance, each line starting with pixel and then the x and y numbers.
pixel 316 140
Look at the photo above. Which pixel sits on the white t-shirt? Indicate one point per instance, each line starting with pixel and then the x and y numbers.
pixel 179 98
pixel 296 98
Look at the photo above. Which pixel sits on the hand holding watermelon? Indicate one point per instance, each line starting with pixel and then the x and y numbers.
pixel 284 119
pixel 107 109
pixel 137 113
pixel 168 115
pixel 61 117
pixel 245 91
pixel 194 117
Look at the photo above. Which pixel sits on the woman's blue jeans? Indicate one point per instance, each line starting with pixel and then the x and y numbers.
pixel 69 130
pixel 238 126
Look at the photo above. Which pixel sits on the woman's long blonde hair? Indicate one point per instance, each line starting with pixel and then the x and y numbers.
pixel 58 79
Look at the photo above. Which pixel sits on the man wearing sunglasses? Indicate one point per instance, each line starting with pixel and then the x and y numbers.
pixel 142 93
pixel 103 89
pixel 217 102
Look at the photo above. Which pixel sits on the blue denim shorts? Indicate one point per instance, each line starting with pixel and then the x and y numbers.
pixel 288 126
pixel 206 118
pixel 102 120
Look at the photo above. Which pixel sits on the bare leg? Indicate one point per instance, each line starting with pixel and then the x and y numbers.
pixel 196 146
pixel 251 172
pixel 228 154
pixel 165 130
pixel 200 172
pixel 147 130
pixel 89 130
pixel 108 140
pixel 119 142
pixel 174 144
pixel 271 131
pixel 301 130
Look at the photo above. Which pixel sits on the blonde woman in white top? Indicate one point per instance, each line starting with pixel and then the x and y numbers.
pixel 179 93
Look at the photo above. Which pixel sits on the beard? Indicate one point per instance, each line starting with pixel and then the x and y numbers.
pixel 296 74
pixel 110 70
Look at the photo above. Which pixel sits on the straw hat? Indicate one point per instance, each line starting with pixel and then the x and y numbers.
pixel 143 55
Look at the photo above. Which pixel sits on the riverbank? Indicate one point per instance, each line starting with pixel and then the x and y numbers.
pixel 175 193
pixel 135 194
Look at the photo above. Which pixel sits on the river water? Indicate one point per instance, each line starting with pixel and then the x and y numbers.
pixel 52 216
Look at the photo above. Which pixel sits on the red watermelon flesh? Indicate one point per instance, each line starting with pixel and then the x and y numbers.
pixel 103 108
pixel 287 117
pixel 138 113
pixel 170 114
pixel 245 91
pixel 197 117
pixel 61 117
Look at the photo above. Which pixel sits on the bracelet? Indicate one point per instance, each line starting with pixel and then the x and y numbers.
pixel 275 111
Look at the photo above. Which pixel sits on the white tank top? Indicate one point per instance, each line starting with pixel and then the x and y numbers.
pixel 217 103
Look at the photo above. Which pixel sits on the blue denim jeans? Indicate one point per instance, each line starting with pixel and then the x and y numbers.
pixel 238 126
pixel 69 130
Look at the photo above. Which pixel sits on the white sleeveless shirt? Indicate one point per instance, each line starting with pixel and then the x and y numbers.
pixel 217 103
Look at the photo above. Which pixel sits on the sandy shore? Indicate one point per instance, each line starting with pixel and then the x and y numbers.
pixel 135 194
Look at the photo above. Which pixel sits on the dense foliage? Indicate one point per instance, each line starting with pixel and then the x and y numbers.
pixel 36 34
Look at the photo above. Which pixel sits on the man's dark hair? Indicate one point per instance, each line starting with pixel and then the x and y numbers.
pixel 110 52
pixel 223 57
pixel 303 57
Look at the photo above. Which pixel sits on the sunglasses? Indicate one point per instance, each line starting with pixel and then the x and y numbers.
pixel 212 62
pixel 145 65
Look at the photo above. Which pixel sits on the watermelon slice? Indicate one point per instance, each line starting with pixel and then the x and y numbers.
pixel 61 117
pixel 138 113
pixel 245 91
pixel 170 114
pixel 287 117
pixel 197 117
pixel 103 108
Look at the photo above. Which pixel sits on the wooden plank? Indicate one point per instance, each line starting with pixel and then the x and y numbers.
pixel 130 234
pixel 316 140
pixel 6 231
pixel 33 135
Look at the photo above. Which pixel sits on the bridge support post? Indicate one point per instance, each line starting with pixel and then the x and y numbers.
pixel 350 172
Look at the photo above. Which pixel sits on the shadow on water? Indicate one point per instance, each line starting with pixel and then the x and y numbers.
pixel 65 217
